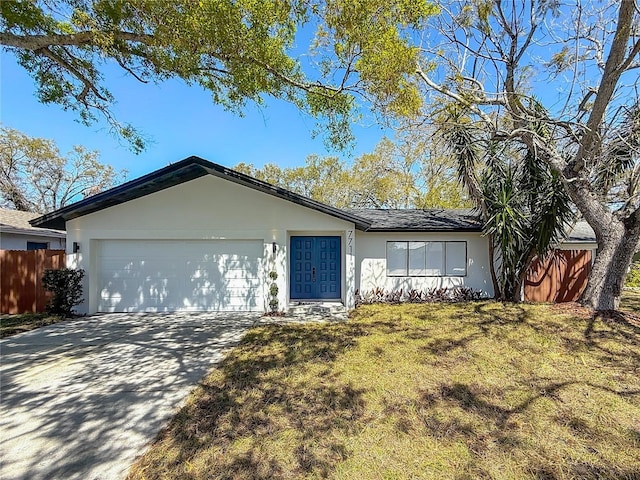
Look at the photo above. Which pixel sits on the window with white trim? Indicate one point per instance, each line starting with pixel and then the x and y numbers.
pixel 427 259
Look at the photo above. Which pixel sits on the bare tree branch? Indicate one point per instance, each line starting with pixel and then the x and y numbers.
pixel 89 85
pixel 472 105
pixel 612 72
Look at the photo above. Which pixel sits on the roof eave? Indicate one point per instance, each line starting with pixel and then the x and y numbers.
pixel 149 184
pixel 583 241
pixel 32 231
pixel 180 172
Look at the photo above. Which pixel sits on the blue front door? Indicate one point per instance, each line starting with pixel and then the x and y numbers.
pixel 315 268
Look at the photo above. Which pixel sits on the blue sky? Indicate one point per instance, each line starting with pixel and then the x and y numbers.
pixel 178 120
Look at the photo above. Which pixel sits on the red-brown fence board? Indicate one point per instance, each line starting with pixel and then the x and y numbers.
pixel 21 271
pixel 560 277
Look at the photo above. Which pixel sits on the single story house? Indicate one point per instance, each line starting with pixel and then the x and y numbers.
pixel 197 236
pixel 16 233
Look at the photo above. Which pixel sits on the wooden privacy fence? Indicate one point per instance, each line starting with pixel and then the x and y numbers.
pixel 560 277
pixel 21 271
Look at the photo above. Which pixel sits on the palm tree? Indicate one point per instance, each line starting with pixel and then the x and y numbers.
pixel 523 204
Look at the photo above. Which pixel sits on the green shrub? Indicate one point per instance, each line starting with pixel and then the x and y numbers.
pixel 66 286
pixel 633 277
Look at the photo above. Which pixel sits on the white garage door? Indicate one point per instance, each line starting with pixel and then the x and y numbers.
pixel 175 275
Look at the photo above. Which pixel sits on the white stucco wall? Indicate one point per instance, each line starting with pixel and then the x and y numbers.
pixel 16 241
pixel 209 208
pixel 371 263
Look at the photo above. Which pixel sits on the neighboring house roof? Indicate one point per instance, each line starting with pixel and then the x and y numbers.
pixel 14 221
pixel 581 233
pixel 414 220
pixel 175 174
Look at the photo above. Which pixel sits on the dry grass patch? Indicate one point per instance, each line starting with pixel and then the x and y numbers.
pixel 478 390
pixel 13 324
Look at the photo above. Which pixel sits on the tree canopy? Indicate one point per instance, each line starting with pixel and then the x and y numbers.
pixel 35 177
pixel 239 50
pixel 401 174
pixel 559 80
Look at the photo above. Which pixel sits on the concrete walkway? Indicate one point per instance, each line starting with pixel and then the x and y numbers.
pixel 81 399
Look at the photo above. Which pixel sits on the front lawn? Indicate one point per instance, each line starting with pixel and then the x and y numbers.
pixel 630 301
pixel 465 391
pixel 12 324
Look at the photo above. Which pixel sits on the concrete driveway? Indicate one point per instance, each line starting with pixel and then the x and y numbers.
pixel 81 399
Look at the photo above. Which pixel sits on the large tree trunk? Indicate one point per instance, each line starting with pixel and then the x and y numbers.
pixel 617 242
pixel 610 268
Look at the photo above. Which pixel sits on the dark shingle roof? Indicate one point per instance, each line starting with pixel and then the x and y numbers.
pixel 414 220
pixel 445 220
pixel 582 233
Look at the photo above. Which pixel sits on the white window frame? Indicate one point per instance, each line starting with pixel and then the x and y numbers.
pixel 410 270
pixel 392 249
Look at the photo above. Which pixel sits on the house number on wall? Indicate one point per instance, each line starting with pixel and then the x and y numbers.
pixel 350 241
